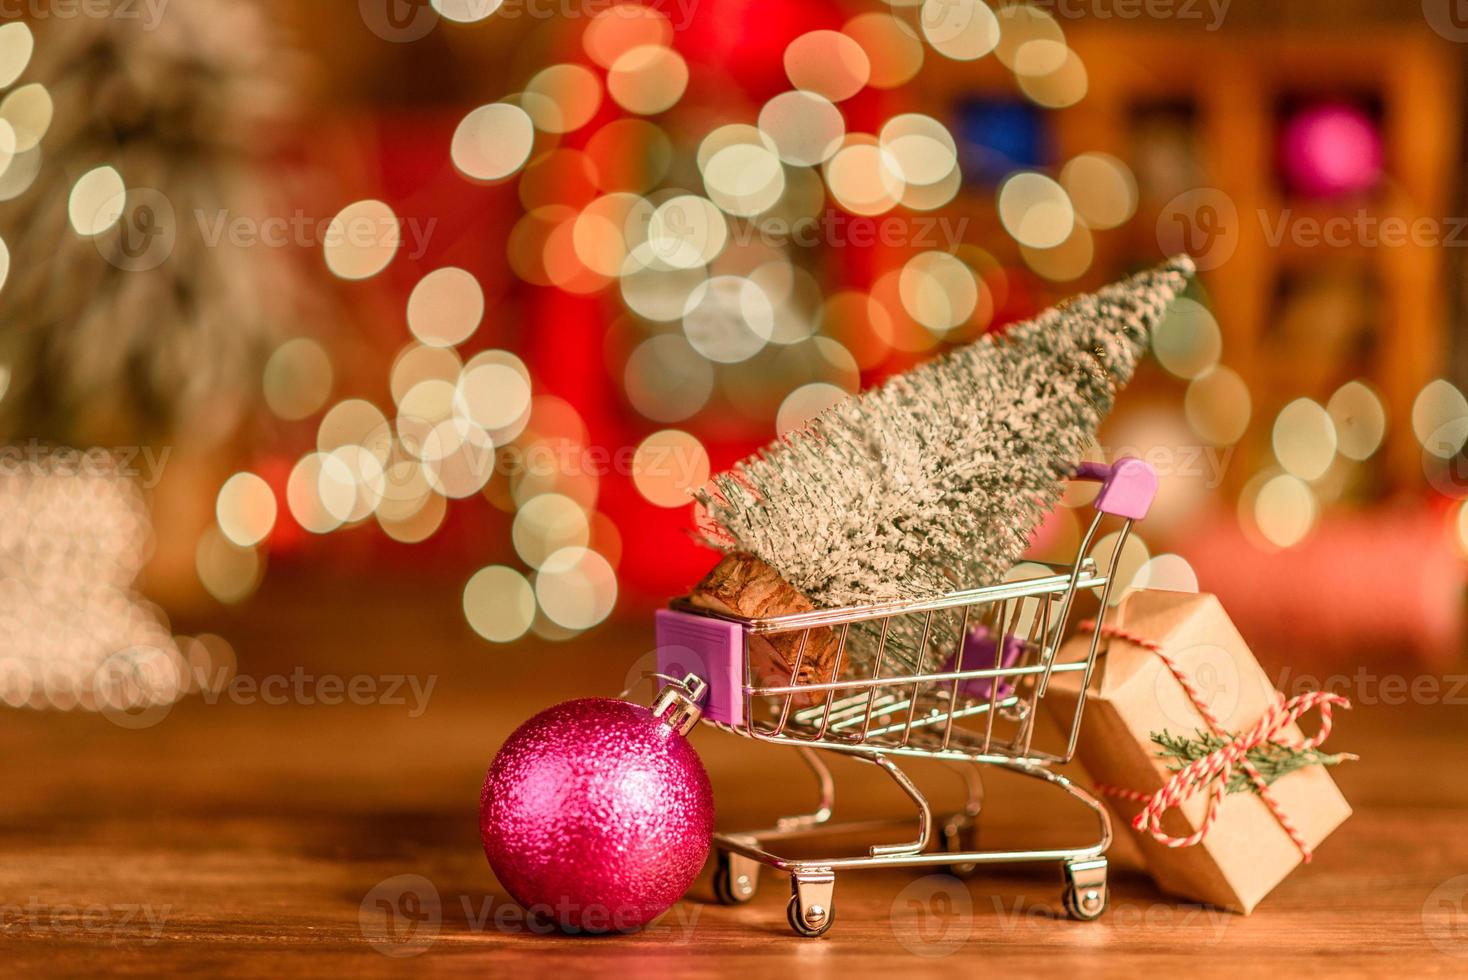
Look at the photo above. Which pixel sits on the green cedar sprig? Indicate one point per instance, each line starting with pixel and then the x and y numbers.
pixel 1273 761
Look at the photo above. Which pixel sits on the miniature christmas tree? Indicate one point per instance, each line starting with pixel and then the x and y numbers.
pixel 934 480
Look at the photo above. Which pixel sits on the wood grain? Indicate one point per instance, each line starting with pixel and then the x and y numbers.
pixel 258 837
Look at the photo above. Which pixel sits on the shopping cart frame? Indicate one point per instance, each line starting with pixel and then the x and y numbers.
pixel 715 648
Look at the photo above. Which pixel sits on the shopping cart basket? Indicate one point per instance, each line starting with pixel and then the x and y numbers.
pixel 902 685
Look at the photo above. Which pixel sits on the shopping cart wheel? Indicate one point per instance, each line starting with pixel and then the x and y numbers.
pixel 810 910
pixel 735 878
pixel 960 835
pixel 1086 894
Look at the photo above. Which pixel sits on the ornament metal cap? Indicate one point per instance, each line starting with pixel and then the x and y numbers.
pixel 677 703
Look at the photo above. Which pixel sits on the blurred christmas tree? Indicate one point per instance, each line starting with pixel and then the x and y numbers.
pixel 122 320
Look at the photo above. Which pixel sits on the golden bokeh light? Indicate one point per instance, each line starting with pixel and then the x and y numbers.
pixel 493 391
pixel 493 141
pixel 303 495
pixel 361 240
pixel 1055 87
pixel 729 319
pixel 1168 572
pixel 20 173
pixel 499 604
pixel 921 148
pixel 685 232
pixel 417 363
pixel 742 173
pixel 1279 509
pixel 1440 419
pixel 245 509
pixel 1360 419
pixel 417 526
pixel 655 291
pixel 1304 439
pixel 938 290
pixel 1069 260
pixel 458 458
pixel 806 127
pixel 465 11
pixel 1021 25
pixel 562 98
pixel 892 48
pixel 17 43
pixel 28 110
pixel 97 201
pixel 666 380
pixel 668 466
pixel 828 63
pixel 599 235
pixel 351 483
pixel 864 178
pixel 1218 406
pixel 545 524
pixel 805 403
pixel 1035 210
pixel 576 588
pixel 962 30
pixel 622 28
pixel 1102 188
pixel 354 422
pixel 1187 342
pixel 648 80
pixel 445 307
pixel 297 379
pixel 227 571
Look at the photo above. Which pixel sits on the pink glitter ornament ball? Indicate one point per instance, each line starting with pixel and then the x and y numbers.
pixel 596 815
pixel 1331 150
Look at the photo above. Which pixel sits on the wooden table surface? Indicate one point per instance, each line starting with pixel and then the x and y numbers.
pixel 244 837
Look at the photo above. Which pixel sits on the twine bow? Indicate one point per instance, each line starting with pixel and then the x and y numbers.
pixel 1214 770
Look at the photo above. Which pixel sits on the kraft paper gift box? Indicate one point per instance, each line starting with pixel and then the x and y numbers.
pixel 1246 852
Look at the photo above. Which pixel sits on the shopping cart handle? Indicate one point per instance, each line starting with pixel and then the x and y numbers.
pixel 1128 486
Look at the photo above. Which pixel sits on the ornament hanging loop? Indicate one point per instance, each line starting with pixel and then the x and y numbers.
pixel 677 703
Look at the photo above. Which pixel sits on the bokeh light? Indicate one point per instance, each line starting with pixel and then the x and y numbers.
pixel 361 240
pixel 446 307
pixel 499 604
pixel 668 466
pixel 493 141
pixel 245 509
pixel 297 379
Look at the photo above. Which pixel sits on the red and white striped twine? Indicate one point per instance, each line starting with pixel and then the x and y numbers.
pixel 1215 770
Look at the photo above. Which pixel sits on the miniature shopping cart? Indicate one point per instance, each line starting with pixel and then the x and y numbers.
pixel 903 684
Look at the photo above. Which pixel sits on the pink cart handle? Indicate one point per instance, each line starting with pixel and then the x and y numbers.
pixel 1128 486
